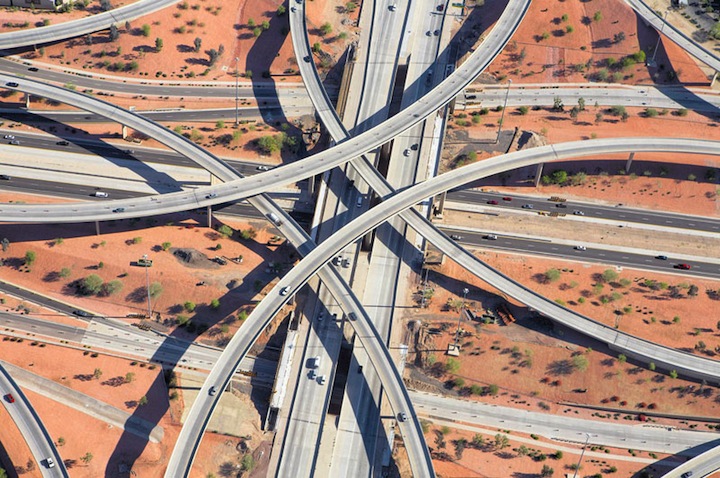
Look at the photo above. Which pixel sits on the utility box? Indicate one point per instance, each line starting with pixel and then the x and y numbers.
pixel 145 262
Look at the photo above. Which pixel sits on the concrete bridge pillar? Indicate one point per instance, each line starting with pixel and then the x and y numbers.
pixel 538 174
pixel 27 101
pixel 97 228
pixel 439 205
pixel 629 162
pixel 209 215
pixel 714 78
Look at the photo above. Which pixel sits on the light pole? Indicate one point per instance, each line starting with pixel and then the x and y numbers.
pixel 457 333
pixel 237 95
pixel 147 284
pixel 652 60
pixel 502 115
pixel 581 455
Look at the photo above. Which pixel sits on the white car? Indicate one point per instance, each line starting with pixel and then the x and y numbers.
pixel 284 290
pixel 50 462
pixel 392 7
pixel 580 248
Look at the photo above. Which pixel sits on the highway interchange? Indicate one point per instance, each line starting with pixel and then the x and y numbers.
pixel 348 305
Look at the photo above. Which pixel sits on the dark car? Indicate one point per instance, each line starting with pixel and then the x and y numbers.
pixel 662 258
pixel 211 195
pixel 120 209
pixel 492 201
pixel 527 206
pixel 507 198
pixel 307 59
pixel 11 84
pixel 684 266
pixel 561 205
pixel 33 68
pixel 5 177
pixel 436 32
pixel 440 7
pixel 455 237
pixel 10 398
pixel 63 143
pixel 81 313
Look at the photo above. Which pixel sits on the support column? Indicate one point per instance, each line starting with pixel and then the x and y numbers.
pixel 97 228
pixel 209 215
pixel 629 162
pixel 27 101
pixel 311 185
pixel 124 132
pixel 440 205
pixel 714 78
pixel 538 174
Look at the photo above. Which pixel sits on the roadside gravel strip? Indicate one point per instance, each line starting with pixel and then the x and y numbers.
pixel 86 404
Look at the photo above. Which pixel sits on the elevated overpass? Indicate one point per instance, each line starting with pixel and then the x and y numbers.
pixel 82 26
pixel 28 422
pixel 674 34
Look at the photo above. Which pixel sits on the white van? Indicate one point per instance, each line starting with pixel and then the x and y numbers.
pixel 100 194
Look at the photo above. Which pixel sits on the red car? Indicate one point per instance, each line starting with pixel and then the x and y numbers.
pixel 492 202
pixel 10 398
pixel 684 266
pixel 507 198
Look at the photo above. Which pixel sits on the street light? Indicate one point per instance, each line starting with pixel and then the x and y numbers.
pixel 147 284
pixel 462 307
pixel 237 96
pixel 577 467
pixel 652 60
pixel 502 115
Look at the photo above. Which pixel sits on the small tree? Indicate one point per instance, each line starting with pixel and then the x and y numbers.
pixel 609 275
pixel 145 29
pixel 198 44
pixel 552 275
pixel 86 458
pixel 166 246
pixel 215 304
pixel 114 32
pixel 265 25
pixel 61 441
pixel 673 374
pixel 597 16
pixel 452 365
pixel 326 29
pixel 112 287
pixel 580 362
pixel 155 289
pixel 30 258
pixel 158 45
pixel 91 285
pixel 142 401
pixel 97 373
pixel 281 10
pixel 501 441
pixel 129 377
pixel 189 306
pixel 460 445
pixel 546 472
pixel 247 463
pixel 5 244
pixel 622 358
pixel 225 230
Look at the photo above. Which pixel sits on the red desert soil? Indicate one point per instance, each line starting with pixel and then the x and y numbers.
pixel 220 24
pixel 551 348
pixel 557 58
pixel 83 434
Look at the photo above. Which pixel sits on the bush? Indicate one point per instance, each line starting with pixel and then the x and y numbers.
pixel 30 258
pixel 325 29
pixel 145 29
pixel 552 275
pixel 452 365
pixel 166 246
pixel 113 287
pixel 215 304
pixel 91 285
pixel 189 306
